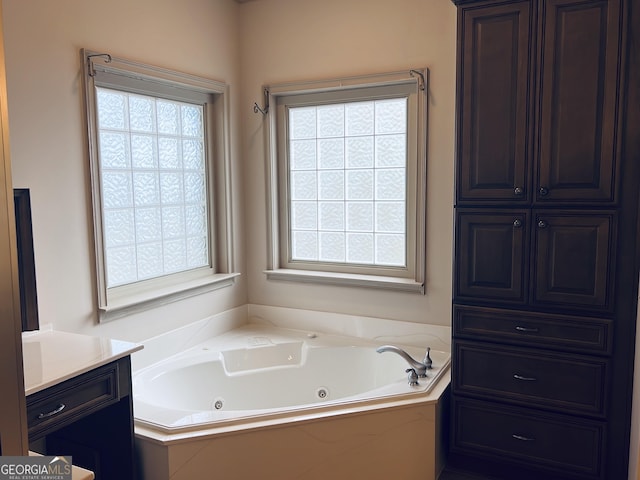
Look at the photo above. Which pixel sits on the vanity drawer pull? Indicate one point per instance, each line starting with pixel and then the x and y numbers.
pixel 53 412
pixel 523 439
pixel 524 379
pixel 526 329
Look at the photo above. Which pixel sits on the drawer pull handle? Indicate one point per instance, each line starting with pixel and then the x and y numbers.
pixel 53 412
pixel 524 439
pixel 526 329
pixel 524 379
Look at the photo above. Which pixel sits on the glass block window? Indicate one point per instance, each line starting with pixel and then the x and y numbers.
pixel 159 153
pixel 154 186
pixel 348 182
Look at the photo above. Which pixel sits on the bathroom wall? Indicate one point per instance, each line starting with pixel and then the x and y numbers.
pixel 48 140
pixel 296 40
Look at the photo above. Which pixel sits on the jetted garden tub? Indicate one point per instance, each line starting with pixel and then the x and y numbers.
pixel 265 402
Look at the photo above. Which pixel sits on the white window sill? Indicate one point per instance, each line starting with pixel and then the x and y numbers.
pixel 127 305
pixel 346 279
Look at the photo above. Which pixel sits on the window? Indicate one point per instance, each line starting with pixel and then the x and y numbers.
pixel 159 170
pixel 348 181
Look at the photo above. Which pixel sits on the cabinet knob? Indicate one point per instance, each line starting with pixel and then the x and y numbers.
pixel 543 191
pixel 517 223
pixel 522 438
pixel 542 224
pixel 518 191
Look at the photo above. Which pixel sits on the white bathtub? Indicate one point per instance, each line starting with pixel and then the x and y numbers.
pixel 258 371
pixel 271 403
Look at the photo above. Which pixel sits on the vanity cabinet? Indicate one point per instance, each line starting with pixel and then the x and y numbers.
pixel 544 279
pixel 89 417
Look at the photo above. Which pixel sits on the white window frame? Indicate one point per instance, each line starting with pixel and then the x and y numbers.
pixel 279 97
pixel 101 70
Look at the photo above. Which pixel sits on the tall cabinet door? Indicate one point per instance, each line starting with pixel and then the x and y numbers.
pixel 579 88
pixel 574 259
pixel 493 95
pixel 491 255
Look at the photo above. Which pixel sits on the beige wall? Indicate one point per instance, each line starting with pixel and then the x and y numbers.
pixel 246 45
pixel 49 152
pixel 293 40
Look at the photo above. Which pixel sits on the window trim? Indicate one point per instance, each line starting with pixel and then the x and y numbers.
pixel 277 267
pixel 106 71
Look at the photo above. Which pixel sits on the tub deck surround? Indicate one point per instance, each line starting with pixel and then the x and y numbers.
pixel 260 372
pixel 404 442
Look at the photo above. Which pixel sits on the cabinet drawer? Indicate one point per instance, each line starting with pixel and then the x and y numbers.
pixel 569 333
pixel 65 403
pixel 560 444
pixel 564 382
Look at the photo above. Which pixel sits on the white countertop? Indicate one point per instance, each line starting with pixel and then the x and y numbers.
pixel 51 357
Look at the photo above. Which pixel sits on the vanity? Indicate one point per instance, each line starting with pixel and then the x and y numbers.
pixel 79 400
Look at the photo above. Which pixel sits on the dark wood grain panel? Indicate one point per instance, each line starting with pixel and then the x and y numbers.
pixel 567 333
pixel 491 255
pixel 574 254
pixel 580 70
pixel 556 443
pixel 494 98
pixel 566 383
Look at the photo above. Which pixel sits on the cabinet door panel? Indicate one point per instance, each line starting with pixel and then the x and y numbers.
pixel 574 259
pixel 494 93
pixel 491 255
pixel 579 79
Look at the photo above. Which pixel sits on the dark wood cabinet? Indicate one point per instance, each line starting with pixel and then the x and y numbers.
pixel 492 255
pixel 545 257
pixel 494 97
pixel 554 380
pixel 565 333
pixel 558 83
pixel 573 259
pixel 89 417
pixel 569 264
pixel 579 83
pixel 557 446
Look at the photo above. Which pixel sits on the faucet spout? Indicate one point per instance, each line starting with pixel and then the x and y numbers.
pixel 419 367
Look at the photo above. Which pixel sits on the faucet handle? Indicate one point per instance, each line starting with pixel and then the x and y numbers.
pixel 427 359
pixel 413 377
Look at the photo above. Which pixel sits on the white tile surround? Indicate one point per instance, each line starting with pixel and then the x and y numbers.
pixel 383 330
pixel 437 337
pixel 403 440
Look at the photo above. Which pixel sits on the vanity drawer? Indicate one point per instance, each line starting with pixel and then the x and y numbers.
pixel 573 383
pixel 71 400
pixel 566 446
pixel 565 332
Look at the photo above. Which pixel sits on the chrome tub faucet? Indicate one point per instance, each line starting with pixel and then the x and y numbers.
pixel 420 367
